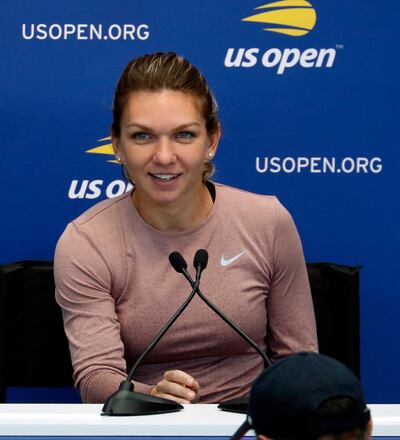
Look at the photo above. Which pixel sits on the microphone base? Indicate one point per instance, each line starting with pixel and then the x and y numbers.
pixel 235 405
pixel 130 403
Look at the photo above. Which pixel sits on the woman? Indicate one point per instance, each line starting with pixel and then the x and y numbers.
pixel 113 278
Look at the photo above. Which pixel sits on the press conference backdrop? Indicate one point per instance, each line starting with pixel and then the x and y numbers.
pixel 309 105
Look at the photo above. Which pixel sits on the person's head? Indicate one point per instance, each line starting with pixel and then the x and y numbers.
pixel 307 396
pixel 157 73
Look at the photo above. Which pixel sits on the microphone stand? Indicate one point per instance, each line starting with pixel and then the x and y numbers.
pixel 239 405
pixel 126 401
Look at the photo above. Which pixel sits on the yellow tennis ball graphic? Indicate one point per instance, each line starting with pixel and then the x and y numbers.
pixel 105 148
pixel 290 17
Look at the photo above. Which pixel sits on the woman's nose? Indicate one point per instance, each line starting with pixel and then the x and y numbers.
pixel 164 152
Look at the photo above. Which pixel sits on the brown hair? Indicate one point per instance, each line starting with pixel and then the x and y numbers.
pixel 165 71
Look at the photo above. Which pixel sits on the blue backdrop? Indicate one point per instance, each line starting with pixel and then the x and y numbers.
pixel 311 118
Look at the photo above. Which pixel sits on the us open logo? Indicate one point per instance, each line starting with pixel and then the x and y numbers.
pixel 290 17
pixel 94 189
pixel 293 18
pixel 106 149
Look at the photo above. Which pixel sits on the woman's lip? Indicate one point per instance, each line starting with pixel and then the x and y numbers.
pixel 165 175
pixel 158 177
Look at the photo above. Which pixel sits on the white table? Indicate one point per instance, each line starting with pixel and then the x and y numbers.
pixel 79 420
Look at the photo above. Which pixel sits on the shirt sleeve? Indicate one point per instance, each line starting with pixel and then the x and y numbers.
pixel 84 285
pixel 291 319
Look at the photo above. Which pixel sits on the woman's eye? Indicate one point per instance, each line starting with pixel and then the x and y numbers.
pixel 141 136
pixel 185 135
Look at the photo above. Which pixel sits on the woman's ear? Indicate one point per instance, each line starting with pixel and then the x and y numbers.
pixel 115 145
pixel 214 140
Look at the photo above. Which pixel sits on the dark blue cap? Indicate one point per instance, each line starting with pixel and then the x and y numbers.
pixel 285 399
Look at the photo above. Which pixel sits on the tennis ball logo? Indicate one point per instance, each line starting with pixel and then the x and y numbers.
pixel 290 17
pixel 106 148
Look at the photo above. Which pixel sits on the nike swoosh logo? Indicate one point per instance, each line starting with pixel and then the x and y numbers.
pixel 227 262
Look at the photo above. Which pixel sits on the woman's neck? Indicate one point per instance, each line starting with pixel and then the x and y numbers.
pixel 181 216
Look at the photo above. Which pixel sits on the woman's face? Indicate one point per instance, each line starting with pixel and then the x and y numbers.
pixel 163 143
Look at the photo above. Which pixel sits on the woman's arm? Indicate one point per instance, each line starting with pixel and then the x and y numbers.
pixel 291 319
pixel 84 285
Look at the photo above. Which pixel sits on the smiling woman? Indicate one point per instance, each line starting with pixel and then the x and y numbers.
pixel 163 143
pixel 113 279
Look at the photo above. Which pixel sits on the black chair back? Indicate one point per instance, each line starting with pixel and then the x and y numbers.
pixel 335 293
pixel 33 347
pixel 34 350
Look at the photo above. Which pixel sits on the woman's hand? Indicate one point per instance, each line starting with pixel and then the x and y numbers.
pixel 178 386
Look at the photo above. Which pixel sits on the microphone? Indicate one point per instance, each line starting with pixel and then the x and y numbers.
pixel 177 261
pixel 126 401
pixel 179 264
pixel 200 261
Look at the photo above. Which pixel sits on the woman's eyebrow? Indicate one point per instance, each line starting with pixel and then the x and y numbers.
pixel 179 127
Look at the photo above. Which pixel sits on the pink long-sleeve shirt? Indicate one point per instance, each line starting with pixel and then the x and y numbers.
pixel 117 289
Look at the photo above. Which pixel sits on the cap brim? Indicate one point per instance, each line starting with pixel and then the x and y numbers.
pixel 241 431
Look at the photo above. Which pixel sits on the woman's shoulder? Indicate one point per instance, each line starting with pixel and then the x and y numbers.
pixel 263 215
pixel 99 224
pixel 246 199
pixel 105 210
pixel 92 244
pixel 252 207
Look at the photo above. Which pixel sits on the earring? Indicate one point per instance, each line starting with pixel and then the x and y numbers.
pixel 210 155
pixel 118 158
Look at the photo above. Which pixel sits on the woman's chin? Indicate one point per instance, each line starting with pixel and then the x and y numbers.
pixel 162 198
